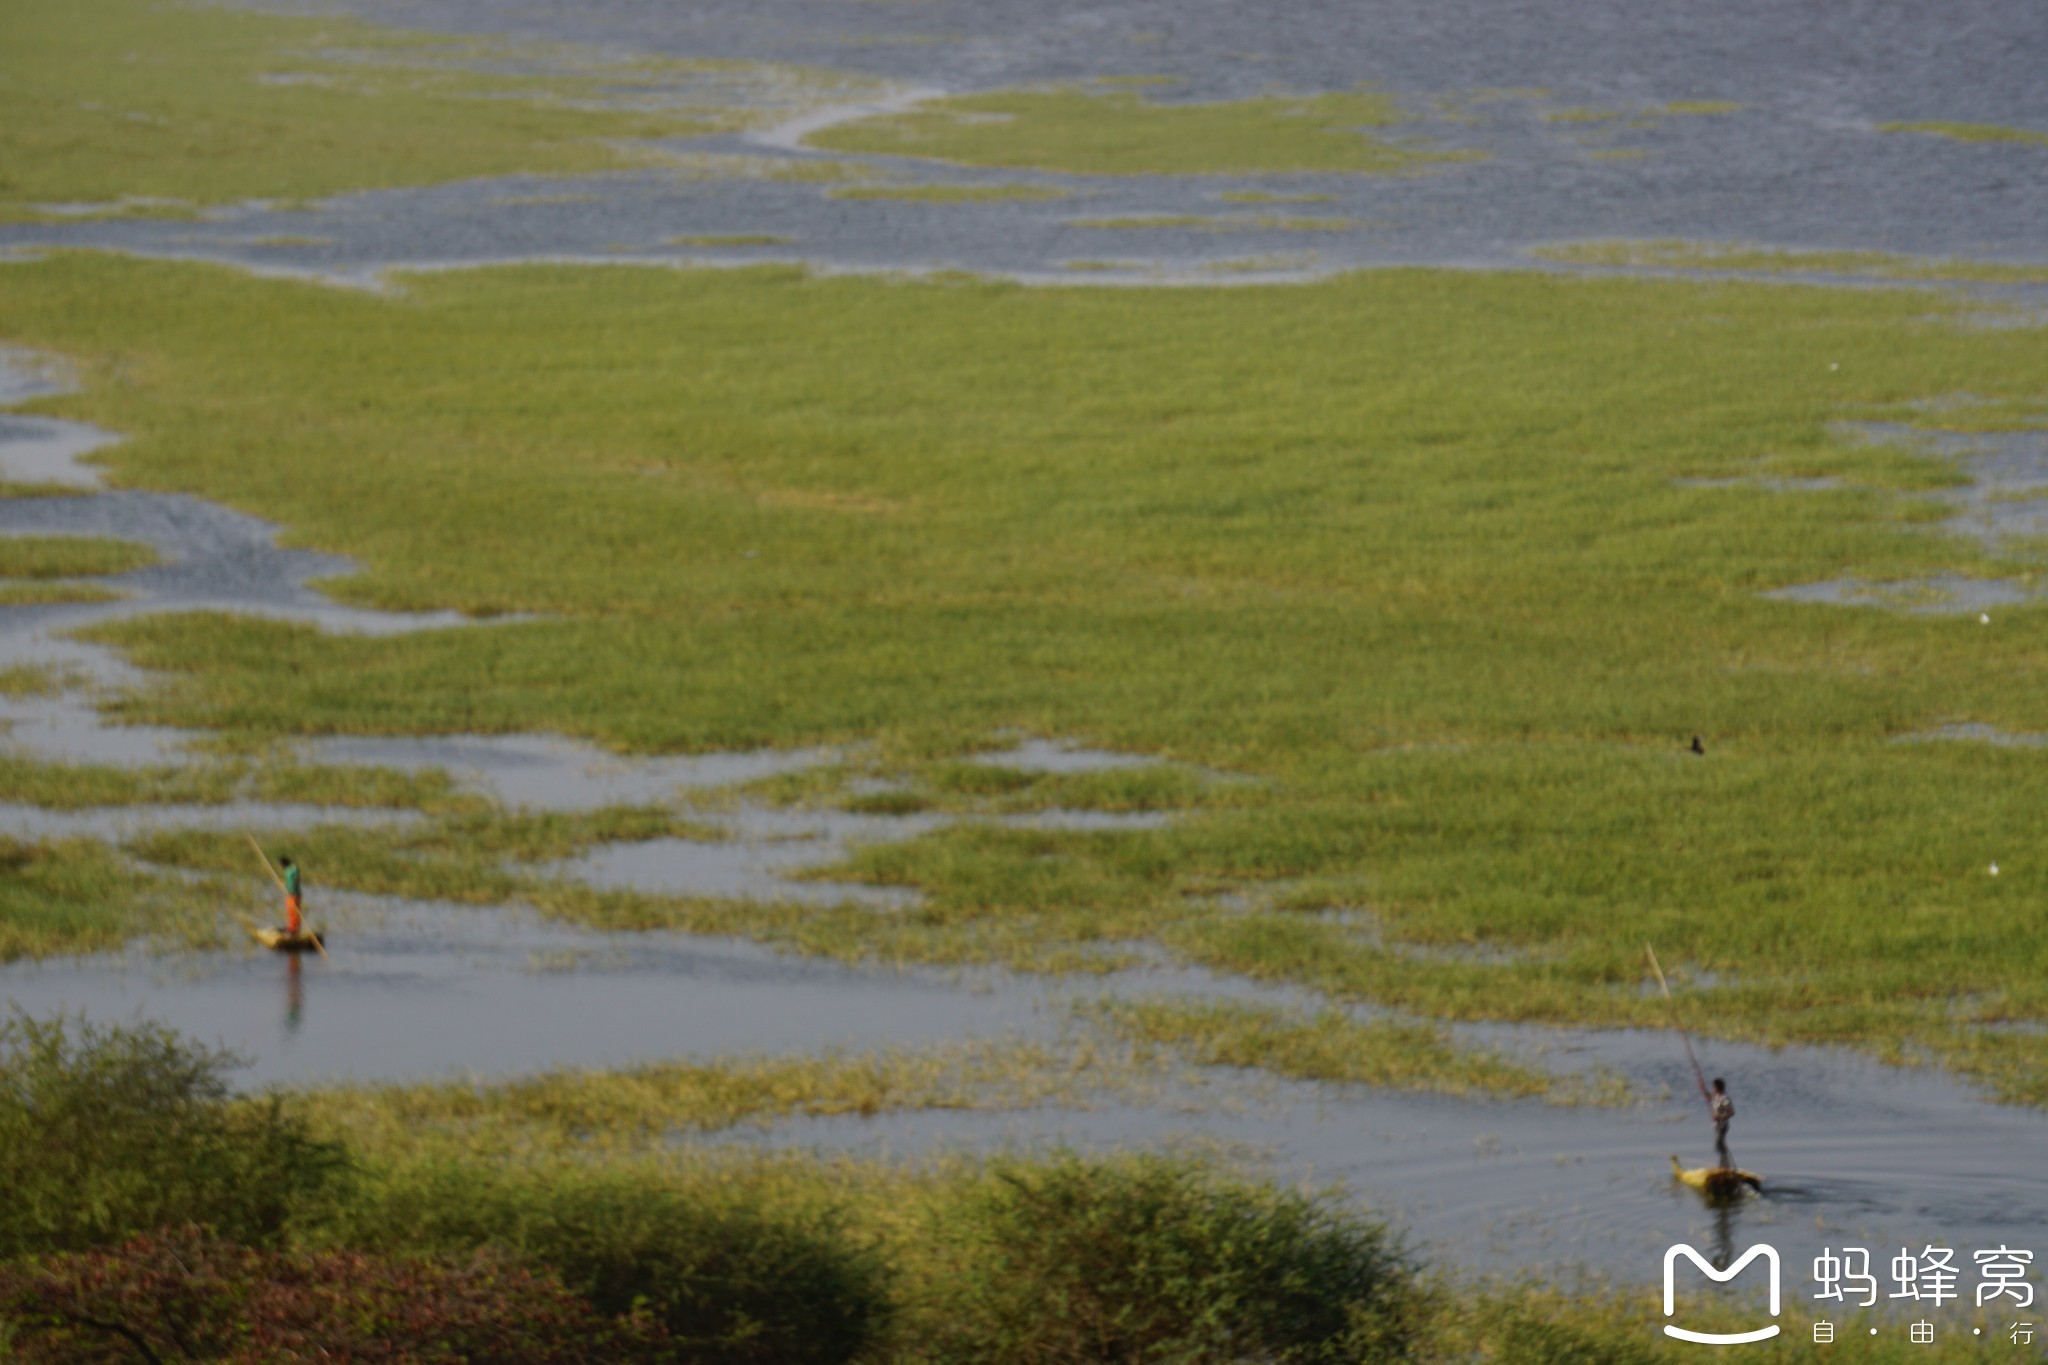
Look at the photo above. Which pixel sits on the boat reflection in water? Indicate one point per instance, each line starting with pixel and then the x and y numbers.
pixel 294 992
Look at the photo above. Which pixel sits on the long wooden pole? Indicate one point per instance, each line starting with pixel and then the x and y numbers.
pixel 1699 1077
pixel 318 946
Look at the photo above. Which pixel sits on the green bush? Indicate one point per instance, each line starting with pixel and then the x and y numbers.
pixel 1150 1258
pixel 188 1295
pixel 734 1275
pixel 1529 1340
pixel 106 1132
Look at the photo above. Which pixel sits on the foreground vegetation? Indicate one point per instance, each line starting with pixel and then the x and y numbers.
pixel 698 1258
pixel 156 1215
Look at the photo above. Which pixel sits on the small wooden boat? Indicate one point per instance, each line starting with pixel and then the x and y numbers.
pixel 1716 1182
pixel 305 941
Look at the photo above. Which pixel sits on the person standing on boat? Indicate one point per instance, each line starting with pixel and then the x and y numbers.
pixel 1718 1104
pixel 292 919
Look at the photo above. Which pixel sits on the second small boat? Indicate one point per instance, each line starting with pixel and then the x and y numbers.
pixel 1717 1182
pixel 284 941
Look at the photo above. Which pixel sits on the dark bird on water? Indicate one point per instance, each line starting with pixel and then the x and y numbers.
pixel 1698 747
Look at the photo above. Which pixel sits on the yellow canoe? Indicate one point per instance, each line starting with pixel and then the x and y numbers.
pixel 305 941
pixel 1716 1182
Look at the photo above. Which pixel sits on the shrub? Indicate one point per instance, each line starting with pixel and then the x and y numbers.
pixel 1155 1259
pixel 735 1276
pixel 187 1295
pixel 107 1132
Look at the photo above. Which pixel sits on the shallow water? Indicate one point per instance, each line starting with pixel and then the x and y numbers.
pixel 413 990
pixel 1801 163
pixel 1853 1153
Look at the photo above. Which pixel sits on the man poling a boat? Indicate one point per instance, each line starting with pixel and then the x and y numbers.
pixel 1724 1180
pixel 294 937
pixel 293 920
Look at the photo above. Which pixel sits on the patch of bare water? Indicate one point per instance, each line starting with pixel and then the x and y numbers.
pixel 2004 503
pixel 1936 595
pixel 1052 756
pixel 416 989
pixel 1976 732
pixel 1852 1152
pixel 412 990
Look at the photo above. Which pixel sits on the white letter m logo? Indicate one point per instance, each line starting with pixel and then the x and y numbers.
pixel 1671 1255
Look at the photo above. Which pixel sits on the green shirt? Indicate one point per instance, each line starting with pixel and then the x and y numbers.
pixel 291 881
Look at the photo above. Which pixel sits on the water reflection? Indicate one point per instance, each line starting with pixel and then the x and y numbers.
pixel 294 993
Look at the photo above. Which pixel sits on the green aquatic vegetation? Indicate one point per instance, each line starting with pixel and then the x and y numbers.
pixel 1583 115
pixel 1686 255
pixel 368 860
pixel 1415 550
pixel 467 852
pixel 66 896
pixel 48 592
pixel 19 681
pixel 42 557
pixel 1326 1046
pixel 130 108
pixel 1970 132
pixel 1273 197
pixel 82 786
pixel 1119 132
pixel 1645 117
pixel 952 194
pixel 647 1106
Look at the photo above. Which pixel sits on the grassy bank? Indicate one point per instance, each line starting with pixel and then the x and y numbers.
pixel 1410 560
pixel 125 107
pixel 1093 131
